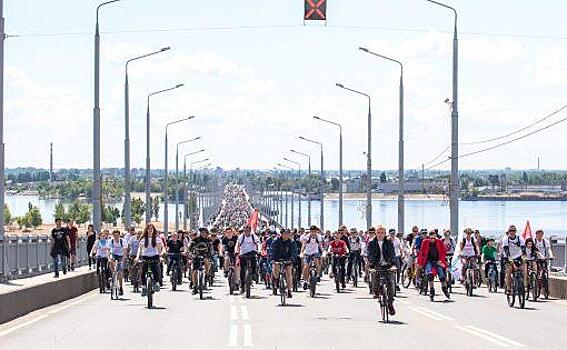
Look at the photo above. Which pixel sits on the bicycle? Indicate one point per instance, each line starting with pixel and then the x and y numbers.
pixel 408 274
pixel 517 285
pixel 103 274
pixel 201 275
pixel 149 283
pixel 354 271
pixel 543 278
pixel 470 276
pixel 532 282
pixel 247 277
pixel 312 278
pixel 176 275
pixel 492 282
pixel 282 282
pixel 382 280
pixel 114 287
pixel 211 274
pixel 337 272
pixel 449 277
pixel 231 277
pixel 134 273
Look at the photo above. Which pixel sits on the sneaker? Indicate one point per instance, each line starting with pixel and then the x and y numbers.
pixel 289 294
pixel 446 292
pixel 305 286
pixel 343 285
pixel 56 275
pixel 274 291
pixel 391 310
pixel 144 292
pixel 121 292
pixel 398 289
pixel 64 271
pixel 194 291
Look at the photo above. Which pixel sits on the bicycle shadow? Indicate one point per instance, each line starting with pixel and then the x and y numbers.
pixel 394 323
pixel 290 305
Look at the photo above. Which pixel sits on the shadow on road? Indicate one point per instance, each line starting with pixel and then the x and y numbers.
pixel 290 305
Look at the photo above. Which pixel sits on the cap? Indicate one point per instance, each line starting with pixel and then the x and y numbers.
pixel 314 228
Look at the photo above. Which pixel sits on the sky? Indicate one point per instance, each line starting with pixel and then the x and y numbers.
pixel 254 76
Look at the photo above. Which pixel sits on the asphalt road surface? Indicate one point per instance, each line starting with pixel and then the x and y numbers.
pixel 349 320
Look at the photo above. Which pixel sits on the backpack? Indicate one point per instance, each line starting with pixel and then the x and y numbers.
pixel 243 236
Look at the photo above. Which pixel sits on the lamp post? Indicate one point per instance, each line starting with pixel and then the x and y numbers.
pixel 322 185
pixel 127 202
pixel 191 172
pixel 185 199
pixel 96 200
pixel 401 174
pixel 177 179
pixel 148 172
pixel 298 187
pixel 368 157
pixel 166 182
pixel 340 164
pixel 2 170
pixel 454 183
pixel 308 193
pixel 292 203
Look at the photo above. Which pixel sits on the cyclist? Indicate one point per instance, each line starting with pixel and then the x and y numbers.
pixel 369 237
pixel 150 249
pixel 229 241
pixel 489 253
pixel 284 251
pixel 101 249
pixel 381 253
pixel 514 250
pixel 355 245
pixel 200 248
pixel 411 236
pixel 311 249
pixel 544 248
pixel 215 241
pixel 338 250
pixel 118 250
pixel 469 251
pixel 432 256
pixel 399 253
pixel 174 249
pixel 532 254
pixel 132 245
pixel 247 250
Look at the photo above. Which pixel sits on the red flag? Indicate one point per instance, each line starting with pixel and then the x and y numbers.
pixel 527 231
pixel 253 221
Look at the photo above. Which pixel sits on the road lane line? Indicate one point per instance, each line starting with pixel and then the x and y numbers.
pixel 248 335
pixel 244 311
pixel 496 336
pixel 233 315
pixel 426 314
pixel 447 318
pixel 483 336
pixel 21 325
pixel 233 335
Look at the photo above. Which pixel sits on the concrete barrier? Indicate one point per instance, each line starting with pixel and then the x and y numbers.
pixel 21 301
pixel 558 287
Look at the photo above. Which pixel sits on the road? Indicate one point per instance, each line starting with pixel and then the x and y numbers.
pixel 345 321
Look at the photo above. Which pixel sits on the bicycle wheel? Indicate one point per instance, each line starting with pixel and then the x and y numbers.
pixel 545 283
pixel 150 292
pixel 101 282
pixel 312 282
pixel 173 279
pixel 406 276
pixel 355 275
pixel 201 283
pixel 283 291
pixel 534 286
pixel 521 294
pixel 248 281
pixel 230 282
pixel 384 303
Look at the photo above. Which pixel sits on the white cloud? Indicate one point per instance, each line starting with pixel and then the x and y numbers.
pixel 492 50
pixel 551 66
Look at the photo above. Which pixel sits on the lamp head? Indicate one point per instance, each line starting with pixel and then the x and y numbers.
pixel 178 86
pixel 340 85
pixel 363 49
pixel 316 117
pixel 165 48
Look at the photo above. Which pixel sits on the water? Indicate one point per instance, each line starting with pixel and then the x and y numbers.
pixel 491 217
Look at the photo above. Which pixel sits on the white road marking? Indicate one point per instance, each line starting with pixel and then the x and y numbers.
pixel 426 314
pixel 483 336
pixel 21 325
pixel 441 316
pixel 496 336
pixel 233 315
pixel 248 335
pixel 244 311
pixel 233 335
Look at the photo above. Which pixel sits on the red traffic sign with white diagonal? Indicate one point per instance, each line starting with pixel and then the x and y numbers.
pixel 315 10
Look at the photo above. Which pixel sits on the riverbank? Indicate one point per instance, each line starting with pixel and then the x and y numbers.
pixel 387 196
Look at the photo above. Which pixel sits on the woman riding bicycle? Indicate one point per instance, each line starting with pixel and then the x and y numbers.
pixel 118 248
pixel 149 250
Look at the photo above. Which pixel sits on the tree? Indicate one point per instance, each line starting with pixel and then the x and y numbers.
pixel 23 221
pixel 7 214
pixel 334 184
pixel 34 217
pixel 155 207
pixel 84 214
pixel 383 177
pixel 138 208
pixel 525 178
pixel 59 212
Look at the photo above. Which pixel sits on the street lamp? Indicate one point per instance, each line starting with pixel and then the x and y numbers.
pixel 191 171
pixel 127 203
pixel 340 164
pixel 298 187
pixel 166 184
pixel 368 157
pixel 148 198
pixel 185 199
pixel 454 186
pixel 177 178
pixel 309 193
pixel 286 196
pixel 322 184
pixel 96 200
pixel 401 174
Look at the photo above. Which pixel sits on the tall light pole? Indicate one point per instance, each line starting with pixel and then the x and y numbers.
pixel 340 165
pixel 166 182
pixel 322 185
pixel 185 211
pixel 177 178
pixel 96 200
pixel 148 169
pixel 298 187
pixel 401 174
pixel 454 183
pixel 309 193
pixel 191 172
pixel 127 202
pixel 2 238
pixel 286 198
pixel 292 203
pixel 368 157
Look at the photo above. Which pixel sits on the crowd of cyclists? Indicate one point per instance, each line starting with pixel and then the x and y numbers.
pixel 287 260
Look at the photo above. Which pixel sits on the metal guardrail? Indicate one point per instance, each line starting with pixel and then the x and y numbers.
pixel 560 252
pixel 27 255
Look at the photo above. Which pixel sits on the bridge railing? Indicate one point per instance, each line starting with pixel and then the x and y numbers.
pixel 558 247
pixel 27 255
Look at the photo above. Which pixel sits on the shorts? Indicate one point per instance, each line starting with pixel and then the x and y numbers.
pixel 309 258
pixel 119 262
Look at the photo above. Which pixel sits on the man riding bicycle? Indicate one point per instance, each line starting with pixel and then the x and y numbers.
pixel 247 250
pixel 228 246
pixel 284 251
pixel 432 257
pixel 381 255
pixel 469 252
pixel 355 245
pixel 514 251
pixel 311 249
pixel 201 250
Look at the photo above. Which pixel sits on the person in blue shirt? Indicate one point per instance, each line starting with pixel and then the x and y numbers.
pixel 284 252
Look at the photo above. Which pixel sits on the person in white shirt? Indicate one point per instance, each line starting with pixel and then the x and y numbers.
pixel 355 247
pixel 247 250
pixel 544 247
pixel 399 253
pixel 311 249
pixel 514 248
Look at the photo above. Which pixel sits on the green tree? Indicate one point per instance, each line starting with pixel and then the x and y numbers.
pixel 155 207
pixel 84 214
pixel 34 217
pixel 23 222
pixel 138 210
pixel 74 210
pixel 59 212
pixel 383 177
pixel 7 214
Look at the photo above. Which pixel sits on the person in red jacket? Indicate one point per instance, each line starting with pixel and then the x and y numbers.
pixel 338 250
pixel 432 256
